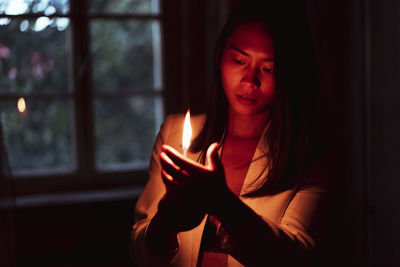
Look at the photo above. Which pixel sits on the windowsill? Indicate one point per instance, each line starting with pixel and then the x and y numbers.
pixel 81 197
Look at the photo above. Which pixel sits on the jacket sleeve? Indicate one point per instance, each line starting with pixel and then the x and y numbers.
pixel 302 225
pixel 291 238
pixel 291 241
pixel 146 206
pixel 304 217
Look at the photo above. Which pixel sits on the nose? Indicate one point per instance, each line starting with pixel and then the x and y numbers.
pixel 250 78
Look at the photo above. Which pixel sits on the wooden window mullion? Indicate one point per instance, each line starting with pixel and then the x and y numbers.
pixel 83 96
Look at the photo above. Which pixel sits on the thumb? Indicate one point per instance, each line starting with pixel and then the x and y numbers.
pixel 212 156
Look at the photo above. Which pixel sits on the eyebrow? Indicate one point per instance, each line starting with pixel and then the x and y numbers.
pixel 244 53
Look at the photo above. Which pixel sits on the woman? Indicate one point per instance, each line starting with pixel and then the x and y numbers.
pixel 247 193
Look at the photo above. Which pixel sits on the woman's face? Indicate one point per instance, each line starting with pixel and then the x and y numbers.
pixel 247 69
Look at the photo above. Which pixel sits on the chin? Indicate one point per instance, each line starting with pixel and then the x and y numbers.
pixel 249 110
pixel 246 111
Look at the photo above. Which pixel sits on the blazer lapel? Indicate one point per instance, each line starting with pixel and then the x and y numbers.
pixel 258 170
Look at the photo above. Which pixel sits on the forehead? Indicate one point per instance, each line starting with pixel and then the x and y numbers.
pixel 252 36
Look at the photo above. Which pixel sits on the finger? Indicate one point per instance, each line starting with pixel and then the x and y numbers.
pixel 171 168
pixel 173 188
pixel 212 156
pixel 169 181
pixel 179 159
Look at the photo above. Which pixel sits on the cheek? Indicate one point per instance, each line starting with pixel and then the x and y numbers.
pixel 268 84
pixel 230 76
pixel 268 90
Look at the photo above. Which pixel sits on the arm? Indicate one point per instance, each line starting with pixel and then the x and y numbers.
pixel 255 240
pixel 159 213
pixel 147 206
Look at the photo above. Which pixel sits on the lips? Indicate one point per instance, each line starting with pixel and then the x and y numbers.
pixel 246 99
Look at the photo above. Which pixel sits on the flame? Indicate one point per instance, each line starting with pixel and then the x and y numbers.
pixel 21 104
pixel 187 132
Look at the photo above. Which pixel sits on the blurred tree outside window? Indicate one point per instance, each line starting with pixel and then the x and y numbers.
pixel 38 61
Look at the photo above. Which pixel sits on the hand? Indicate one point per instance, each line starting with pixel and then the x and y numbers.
pixel 179 211
pixel 204 183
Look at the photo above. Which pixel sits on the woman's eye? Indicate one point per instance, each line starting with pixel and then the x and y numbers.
pixel 267 70
pixel 238 61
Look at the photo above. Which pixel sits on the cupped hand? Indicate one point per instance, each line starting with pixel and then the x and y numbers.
pixel 204 184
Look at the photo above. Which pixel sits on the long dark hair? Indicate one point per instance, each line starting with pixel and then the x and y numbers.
pixel 292 136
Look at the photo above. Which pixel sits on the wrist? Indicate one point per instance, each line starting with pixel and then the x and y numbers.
pixel 223 203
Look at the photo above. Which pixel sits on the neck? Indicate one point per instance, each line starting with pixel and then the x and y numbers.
pixel 247 126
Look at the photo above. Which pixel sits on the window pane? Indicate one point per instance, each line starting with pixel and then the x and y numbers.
pixel 125 131
pixel 40 138
pixel 123 6
pixel 48 7
pixel 125 55
pixel 34 55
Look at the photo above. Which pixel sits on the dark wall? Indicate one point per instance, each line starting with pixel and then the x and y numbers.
pixel 338 32
pixel 357 47
pixel 85 234
pixel 384 96
pixel 357 52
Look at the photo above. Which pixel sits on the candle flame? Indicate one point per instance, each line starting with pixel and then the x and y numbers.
pixel 21 104
pixel 187 131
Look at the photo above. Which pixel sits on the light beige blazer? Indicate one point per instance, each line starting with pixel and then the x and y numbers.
pixel 291 214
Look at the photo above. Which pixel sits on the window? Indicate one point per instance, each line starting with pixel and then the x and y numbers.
pixel 90 75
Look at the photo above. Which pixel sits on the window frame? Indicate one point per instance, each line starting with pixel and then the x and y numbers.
pixel 85 175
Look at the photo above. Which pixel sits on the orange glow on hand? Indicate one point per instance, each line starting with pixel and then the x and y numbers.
pixel 21 105
pixel 187 133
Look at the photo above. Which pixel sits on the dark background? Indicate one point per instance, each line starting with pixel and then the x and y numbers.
pixel 356 43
